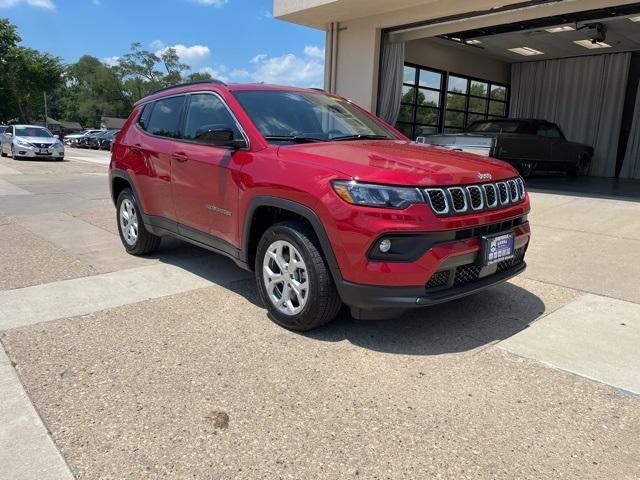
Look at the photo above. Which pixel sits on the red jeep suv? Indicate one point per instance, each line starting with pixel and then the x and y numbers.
pixel 324 201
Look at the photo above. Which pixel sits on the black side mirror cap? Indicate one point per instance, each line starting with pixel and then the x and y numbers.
pixel 219 137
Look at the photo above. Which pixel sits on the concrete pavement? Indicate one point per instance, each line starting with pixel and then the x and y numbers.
pixel 131 361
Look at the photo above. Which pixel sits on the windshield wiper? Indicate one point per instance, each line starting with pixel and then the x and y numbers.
pixel 292 138
pixel 360 137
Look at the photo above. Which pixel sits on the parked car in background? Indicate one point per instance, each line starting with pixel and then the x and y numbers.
pixel 106 140
pixel 30 141
pixel 72 140
pixel 88 140
pixel 528 145
pixel 321 199
pixel 2 129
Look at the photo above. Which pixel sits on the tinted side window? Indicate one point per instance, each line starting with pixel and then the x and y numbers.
pixel 143 121
pixel 550 131
pixel 206 112
pixel 165 117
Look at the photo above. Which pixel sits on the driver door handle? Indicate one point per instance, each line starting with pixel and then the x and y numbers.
pixel 180 156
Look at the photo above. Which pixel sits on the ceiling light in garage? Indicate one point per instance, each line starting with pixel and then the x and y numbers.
pixel 526 51
pixel 564 28
pixel 590 45
pixel 473 42
pixel 634 19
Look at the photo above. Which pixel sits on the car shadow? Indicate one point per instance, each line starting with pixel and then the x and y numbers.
pixel 462 325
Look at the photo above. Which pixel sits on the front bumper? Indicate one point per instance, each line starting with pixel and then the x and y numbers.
pixel 32 152
pixel 369 302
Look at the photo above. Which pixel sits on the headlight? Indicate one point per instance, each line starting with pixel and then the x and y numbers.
pixel 23 143
pixel 377 195
pixel 58 144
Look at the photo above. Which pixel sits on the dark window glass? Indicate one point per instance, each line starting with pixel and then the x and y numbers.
pixel 431 79
pixel 143 121
pixel 165 117
pixel 496 127
pixel 549 131
pixel 205 114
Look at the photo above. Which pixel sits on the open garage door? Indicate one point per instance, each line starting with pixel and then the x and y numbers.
pixel 578 71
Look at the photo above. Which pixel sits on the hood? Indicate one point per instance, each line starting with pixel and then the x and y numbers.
pixel 400 162
pixel 47 140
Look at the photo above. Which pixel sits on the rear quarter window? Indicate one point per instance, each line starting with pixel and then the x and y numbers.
pixel 165 117
pixel 143 120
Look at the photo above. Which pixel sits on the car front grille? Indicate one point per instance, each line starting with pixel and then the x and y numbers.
pixel 41 145
pixel 471 198
pixel 470 273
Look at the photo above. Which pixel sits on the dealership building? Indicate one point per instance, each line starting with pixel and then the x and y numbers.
pixel 435 66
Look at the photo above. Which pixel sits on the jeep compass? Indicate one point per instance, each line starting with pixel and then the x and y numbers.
pixel 326 203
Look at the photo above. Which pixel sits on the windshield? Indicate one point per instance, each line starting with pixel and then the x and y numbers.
pixel 494 127
pixel 32 132
pixel 283 116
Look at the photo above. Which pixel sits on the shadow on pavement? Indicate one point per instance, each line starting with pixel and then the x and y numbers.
pixel 482 319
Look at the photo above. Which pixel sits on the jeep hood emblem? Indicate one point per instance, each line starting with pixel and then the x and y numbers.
pixel 484 176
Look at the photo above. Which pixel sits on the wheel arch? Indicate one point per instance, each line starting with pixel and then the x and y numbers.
pixel 254 226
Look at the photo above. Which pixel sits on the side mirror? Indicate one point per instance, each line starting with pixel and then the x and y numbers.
pixel 219 136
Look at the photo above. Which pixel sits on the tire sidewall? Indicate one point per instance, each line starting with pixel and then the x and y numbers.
pixel 128 194
pixel 293 322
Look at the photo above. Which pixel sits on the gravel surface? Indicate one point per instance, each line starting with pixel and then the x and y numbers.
pixel 26 259
pixel 203 385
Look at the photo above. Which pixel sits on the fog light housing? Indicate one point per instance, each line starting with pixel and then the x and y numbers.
pixel 385 245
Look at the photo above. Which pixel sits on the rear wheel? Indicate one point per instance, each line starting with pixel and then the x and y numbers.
pixel 133 234
pixel 293 278
pixel 526 168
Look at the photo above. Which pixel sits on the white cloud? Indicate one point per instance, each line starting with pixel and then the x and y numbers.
pixel 314 51
pixel 46 4
pixel 306 70
pixel 191 55
pixel 111 61
pixel 212 3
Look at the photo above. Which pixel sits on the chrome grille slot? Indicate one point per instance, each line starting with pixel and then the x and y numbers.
pixel 513 191
pixel 438 200
pixel 503 192
pixel 458 199
pixel 475 195
pixel 491 195
pixel 521 191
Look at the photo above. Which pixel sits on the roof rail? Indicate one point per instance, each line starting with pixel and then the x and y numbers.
pixel 185 84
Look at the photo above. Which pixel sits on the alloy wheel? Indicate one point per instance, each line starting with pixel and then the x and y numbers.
pixel 128 222
pixel 285 277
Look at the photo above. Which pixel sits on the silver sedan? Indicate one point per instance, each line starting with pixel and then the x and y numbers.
pixel 30 141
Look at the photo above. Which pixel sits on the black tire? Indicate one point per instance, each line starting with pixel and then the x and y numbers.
pixel 322 302
pixel 60 159
pixel 526 168
pixel 572 172
pixel 2 153
pixel 146 242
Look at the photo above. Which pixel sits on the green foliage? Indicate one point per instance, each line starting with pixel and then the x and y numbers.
pixel 85 90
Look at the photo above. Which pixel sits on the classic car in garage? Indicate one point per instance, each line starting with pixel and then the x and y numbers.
pixel 528 145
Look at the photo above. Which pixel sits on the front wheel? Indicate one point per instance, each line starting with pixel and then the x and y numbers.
pixel 293 278
pixel 526 168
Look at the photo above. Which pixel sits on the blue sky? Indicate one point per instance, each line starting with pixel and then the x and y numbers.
pixel 235 40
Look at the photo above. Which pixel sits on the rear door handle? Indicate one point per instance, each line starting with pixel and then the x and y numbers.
pixel 180 157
